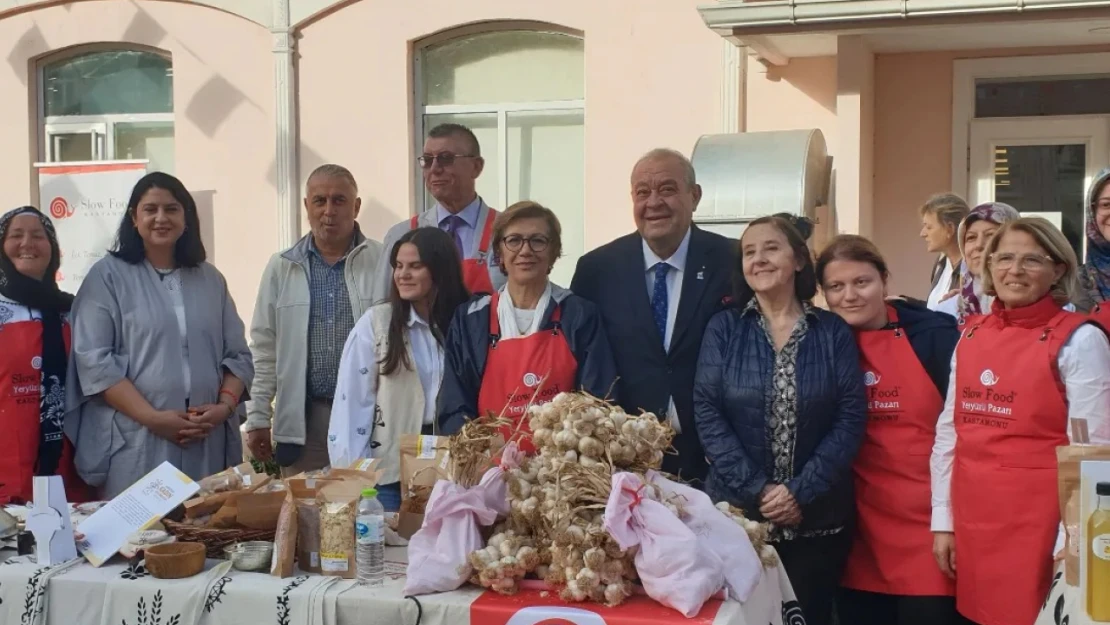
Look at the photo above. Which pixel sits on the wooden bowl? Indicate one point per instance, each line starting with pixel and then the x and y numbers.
pixel 175 560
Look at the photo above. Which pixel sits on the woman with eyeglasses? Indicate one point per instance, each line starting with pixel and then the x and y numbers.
pixel 1025 377
pixel 528 341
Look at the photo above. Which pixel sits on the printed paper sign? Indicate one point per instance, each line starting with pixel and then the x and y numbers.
pixel 134 510
pixel 86 202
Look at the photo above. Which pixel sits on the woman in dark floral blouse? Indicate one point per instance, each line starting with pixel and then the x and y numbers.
pixel 779 404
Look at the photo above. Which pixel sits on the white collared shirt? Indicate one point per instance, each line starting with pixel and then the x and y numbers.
pixel 944 285
pixel 677 261
pixel 470 222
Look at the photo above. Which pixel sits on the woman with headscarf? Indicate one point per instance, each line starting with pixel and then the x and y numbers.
pixel 34 331
pixel 973 235
pixel 1094 275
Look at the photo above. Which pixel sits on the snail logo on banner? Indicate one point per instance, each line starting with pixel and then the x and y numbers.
pixel 86 202
pixel 530 607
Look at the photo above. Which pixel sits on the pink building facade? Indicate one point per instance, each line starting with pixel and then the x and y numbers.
pixel 995 99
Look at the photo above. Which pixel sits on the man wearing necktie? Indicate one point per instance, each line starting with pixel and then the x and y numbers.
pixel 450 164
pixel 656 289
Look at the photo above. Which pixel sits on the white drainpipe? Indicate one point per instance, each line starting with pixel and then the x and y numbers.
pixel 730 14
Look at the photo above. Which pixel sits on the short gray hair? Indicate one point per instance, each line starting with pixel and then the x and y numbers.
pixel 330 170
pixel 659 154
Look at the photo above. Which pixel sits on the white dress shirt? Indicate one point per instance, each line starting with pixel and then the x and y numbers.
pixel 677 261
pixel 356 394
pixel 470 222
pixel 1083 363
pixel 944 285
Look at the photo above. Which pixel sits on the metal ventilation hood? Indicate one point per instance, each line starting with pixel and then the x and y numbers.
pixel 747 175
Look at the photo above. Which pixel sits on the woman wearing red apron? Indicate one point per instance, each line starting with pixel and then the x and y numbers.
pixel 528 341
pixel 905 353
pixel 35 336
pixel 1024 378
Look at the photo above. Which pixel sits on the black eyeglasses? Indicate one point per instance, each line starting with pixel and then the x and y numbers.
pixel 537 242
pixel 445 159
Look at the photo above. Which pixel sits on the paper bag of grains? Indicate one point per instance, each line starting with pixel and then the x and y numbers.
pixel 1068 459
pixel 308 522
pixel 338 505
pixel 424 461
pixel 285 539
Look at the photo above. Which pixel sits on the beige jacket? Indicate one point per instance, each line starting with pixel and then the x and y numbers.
pixel 279 334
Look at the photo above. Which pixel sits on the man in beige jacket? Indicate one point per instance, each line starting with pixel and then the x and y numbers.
pixel 310 297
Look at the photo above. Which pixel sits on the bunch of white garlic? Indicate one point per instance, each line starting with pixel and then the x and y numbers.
pixel 757 533
pixel 588 565
pixel 507 558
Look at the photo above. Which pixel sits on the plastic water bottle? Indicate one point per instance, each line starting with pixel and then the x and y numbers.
pixel 370 532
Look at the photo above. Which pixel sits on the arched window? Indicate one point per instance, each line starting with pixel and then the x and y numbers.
pixel 108 105
pixel 522 92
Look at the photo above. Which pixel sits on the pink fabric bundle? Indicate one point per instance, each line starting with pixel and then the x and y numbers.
pixel 717 534
pixel 439 551
pixel 673 568
pixel 494 484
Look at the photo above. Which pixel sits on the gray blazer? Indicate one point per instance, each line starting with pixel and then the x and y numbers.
pixel 125 327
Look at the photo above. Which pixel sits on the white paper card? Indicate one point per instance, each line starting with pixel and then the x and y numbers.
pixel 49 521
pixel 134 510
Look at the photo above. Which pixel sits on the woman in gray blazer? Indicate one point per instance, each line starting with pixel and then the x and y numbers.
pixel 160 362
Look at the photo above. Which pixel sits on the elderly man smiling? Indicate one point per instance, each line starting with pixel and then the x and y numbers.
pixel 663 281
pixel 316 289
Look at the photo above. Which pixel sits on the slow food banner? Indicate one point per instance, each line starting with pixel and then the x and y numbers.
pixel 86 202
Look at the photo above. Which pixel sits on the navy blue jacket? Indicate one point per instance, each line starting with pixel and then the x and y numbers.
pixel 933 336
pixel 468 342
pixel 731 402
pixel 651 375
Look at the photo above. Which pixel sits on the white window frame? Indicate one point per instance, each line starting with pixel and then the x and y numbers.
pixel 967 72
pixel 1092 131
pixel 59 123
pixel 501 109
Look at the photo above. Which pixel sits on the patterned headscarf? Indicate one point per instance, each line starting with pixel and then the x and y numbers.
pixel 51 303
pixel 971 290
pixel 1095 273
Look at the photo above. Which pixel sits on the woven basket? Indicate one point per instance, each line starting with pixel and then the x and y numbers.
pixel 175 560
pixel 214 540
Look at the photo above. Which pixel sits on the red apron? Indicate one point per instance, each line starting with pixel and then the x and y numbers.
pixel 893 548
pixel 514 368
pixel 20 392
pixel 476 270
pixel 1011 413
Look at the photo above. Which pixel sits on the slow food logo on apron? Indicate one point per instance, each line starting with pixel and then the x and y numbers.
pixel 882 401
pixel 990 405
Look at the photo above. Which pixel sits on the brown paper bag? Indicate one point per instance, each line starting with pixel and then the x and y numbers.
pixel 423 463
pixel 285 538
pixel 304 492
pixel 338 502
pixel 260 511
pixel 1068 459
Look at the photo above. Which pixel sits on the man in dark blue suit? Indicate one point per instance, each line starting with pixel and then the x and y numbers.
pixel 656 289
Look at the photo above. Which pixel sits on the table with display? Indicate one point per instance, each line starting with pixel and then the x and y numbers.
pixel 123 593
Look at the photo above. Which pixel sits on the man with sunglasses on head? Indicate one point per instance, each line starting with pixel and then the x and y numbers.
pixel 451 163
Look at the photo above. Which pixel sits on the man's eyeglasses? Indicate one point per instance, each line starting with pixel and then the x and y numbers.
pixel 445 159
pixel 538 242
pixel 1032 263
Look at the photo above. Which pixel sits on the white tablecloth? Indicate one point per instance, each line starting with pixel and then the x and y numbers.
pixel 76 593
